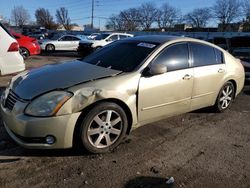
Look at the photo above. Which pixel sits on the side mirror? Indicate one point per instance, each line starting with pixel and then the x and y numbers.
pixel 156 69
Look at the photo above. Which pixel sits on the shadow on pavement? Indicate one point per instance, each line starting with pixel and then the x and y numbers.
pixel 147 182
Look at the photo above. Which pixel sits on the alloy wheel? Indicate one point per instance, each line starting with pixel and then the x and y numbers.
pixel 105 129
pixel 226 96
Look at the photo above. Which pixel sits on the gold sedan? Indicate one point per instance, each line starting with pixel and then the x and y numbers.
pixel 98 100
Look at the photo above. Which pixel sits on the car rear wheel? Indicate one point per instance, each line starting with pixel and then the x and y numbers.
pixel 24 52
pixel 103 128
pixel 50 48
pixel 225 97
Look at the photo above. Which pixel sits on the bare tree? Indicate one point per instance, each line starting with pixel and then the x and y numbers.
pixel 246 12
pixel 114 23
pixel 20 16
pixel 63 18
pixel 130 19
pixel 226 11
pixel 246 8
pixel 147 15
pixel 199 17
pixel 44 18
pixel 127 20
pixel 167 15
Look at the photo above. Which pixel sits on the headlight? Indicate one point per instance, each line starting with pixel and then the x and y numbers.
pixel 48 104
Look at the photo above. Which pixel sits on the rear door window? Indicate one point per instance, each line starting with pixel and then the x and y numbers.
pixel 203 55
pixel 219 56
pixel 175 57
pixel 123 36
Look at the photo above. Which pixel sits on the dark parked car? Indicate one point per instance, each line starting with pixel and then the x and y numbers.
pixel 240 48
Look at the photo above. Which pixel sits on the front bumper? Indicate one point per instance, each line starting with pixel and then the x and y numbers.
pixel 30 132
pixel 36 50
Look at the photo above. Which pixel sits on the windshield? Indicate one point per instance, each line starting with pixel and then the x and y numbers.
pixel 101 36
pixel 122 55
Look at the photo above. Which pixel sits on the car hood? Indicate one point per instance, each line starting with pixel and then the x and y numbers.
pixel 30 84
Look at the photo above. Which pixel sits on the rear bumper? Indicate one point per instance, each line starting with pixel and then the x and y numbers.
pixel 11 63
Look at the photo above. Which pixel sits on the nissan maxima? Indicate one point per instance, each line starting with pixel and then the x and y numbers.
pixel 96 101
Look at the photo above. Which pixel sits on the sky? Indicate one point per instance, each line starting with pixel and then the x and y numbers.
pixel 80 10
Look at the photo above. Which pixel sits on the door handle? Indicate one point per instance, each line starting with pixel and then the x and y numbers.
pixel 187 77
pixel 221 71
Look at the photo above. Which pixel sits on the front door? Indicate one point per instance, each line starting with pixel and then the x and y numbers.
pixel 169 93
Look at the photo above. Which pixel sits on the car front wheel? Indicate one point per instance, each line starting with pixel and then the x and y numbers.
pixel 103 128
pixel 225 97
pixel 50 48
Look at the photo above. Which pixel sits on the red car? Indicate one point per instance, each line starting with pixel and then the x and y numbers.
pixel 28 46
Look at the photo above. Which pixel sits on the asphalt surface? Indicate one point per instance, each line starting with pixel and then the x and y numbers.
pixel 197 149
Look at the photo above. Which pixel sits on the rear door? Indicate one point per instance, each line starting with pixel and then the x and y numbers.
pixel 209 72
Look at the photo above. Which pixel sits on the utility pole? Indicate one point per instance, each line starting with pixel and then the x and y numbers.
pixel 92 16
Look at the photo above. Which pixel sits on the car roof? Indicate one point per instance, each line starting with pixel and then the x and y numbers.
pixel 155 38
pixel 109 33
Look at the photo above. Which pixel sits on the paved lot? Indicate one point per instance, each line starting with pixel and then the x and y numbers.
pixel 199 149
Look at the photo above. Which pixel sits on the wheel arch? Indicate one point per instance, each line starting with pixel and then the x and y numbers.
pixel 25 48
pixel 235 86
pixel 123 105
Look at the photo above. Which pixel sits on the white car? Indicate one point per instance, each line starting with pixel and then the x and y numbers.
pixel 10 59
pixel 93 36
pixel 101 40
pixel 65 43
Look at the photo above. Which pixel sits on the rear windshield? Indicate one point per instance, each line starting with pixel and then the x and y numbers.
pixel 4 28
pixel 122 55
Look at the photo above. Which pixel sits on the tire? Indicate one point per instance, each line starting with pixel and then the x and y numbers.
pixel 50 48
pixel 24 52
pixel 225 97
pixel 98 48
pixel 98 134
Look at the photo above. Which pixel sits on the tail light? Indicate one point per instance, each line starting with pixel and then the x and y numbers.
pixel 14 47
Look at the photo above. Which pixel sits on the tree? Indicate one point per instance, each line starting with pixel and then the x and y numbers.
pixel 20 16
pixel 147 15
pixel 130 19
pixel 127 20
pixel 167 15
pixel 246 11
pixel 198 17
pixel 246 7
pixel 63 18
pixel 44 18
pixel 226 11
pixel 114 23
